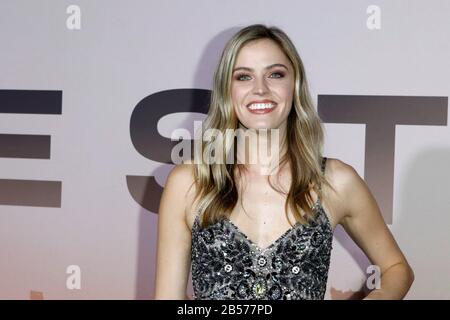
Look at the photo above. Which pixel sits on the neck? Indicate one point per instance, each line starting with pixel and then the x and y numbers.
pixel 260 151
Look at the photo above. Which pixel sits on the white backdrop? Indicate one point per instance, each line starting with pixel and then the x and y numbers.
pixel 94 208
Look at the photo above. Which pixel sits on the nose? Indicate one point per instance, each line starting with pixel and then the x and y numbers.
pixel 260 86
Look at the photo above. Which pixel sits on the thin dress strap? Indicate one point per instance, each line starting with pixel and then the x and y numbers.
pixel 324 160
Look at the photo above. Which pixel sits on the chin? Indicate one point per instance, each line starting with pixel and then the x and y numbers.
pixel 257 126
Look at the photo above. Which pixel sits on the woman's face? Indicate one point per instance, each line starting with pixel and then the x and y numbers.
pixel 262 85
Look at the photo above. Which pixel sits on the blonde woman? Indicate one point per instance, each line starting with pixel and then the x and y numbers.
pixel 250 232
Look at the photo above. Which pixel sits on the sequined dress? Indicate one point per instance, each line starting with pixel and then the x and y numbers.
pixel 226 264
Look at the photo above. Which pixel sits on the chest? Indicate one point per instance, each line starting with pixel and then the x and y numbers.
pixel 260 212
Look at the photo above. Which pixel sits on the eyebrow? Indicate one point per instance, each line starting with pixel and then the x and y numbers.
pixel 266 68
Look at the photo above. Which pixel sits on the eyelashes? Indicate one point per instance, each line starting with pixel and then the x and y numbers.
pixel 280 75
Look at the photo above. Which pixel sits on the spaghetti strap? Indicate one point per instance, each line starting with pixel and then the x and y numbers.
pixel 324 160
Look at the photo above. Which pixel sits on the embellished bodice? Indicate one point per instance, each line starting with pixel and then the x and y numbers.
pixel 226 264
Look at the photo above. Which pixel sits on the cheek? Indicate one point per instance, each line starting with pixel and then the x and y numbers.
pixel 237 96
pixel 287 94
pixel 286 90
pixel 236 92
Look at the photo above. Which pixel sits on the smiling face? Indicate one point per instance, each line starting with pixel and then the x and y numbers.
pixel 262 85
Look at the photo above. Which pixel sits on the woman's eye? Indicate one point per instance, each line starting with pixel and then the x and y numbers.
pixel 279 74
pixel 239 77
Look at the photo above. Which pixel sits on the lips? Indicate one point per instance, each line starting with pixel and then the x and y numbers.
pixel 261 101
pixel 259 107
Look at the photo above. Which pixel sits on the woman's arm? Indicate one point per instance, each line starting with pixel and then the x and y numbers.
pixel 174 236
pixel 364 223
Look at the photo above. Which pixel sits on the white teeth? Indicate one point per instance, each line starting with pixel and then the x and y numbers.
pixel 255 106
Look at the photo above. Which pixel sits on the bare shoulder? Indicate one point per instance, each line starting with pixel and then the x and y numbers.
pixel 182 173
pixel 340 173
pixel 181 181
pixel 343 178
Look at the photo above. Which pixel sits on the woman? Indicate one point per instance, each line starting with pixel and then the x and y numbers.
pixel 257 233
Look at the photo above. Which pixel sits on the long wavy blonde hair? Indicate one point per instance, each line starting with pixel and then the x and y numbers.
pixel 216 187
